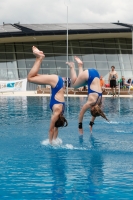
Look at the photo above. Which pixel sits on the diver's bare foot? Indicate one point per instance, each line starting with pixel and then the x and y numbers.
pixel 80 63
pixel 70 64
pixel 38 53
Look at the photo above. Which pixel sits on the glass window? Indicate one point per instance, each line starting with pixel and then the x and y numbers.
pixel 131 58
pixel 48 66
pixel 60 50
pixel 116 64
pixel 119 73
pixel 47 48
pixel 128 74
pixel 100 57
pixel 110 43
pixel 3 67
pixel 2 53
pixel 89 65
pixel 63 72
pixel 29 65
pixel 112 55
pixel 28 54
pixel 75 48
pixel 85 43
pixel 11 62
pixel 126 66
pixel 104 73
pixel 102 65
pixel 87 54
pixel 19 52
pixel 61 66
pixel 124 56
pixel 22 72
pixel 3 73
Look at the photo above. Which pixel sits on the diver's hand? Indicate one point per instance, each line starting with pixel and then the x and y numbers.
pixel 91 124
pixel 90 129
pixel 80 130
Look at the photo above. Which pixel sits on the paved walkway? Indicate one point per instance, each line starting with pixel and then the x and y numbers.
pixel 34 93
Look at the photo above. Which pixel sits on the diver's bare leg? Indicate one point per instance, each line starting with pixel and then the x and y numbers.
pixel 80 64
pixel 72 72
pixel 39 57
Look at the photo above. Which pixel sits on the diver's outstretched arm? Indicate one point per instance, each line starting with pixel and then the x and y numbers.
pixel 54 118
pixel 81 115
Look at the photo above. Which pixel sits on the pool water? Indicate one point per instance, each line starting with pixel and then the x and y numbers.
pixel 95 166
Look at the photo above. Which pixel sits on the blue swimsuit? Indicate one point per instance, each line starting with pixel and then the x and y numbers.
pixel 54 91
pixel 93 74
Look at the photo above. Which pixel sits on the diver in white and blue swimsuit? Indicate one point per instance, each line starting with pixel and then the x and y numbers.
pixel 91 78
pixel 57 102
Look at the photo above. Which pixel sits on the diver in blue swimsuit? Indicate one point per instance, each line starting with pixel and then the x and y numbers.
pixel 57 102
pixel 91 78
pixel 55 90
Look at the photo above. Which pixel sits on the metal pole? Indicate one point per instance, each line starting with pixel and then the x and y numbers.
pixel 67 53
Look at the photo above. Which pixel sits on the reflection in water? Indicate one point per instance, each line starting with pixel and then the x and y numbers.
pixel 58 169
pixel 95 172
pixel 93 166
pixel 81 139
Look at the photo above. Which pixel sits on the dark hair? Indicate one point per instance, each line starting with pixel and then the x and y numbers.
pixel 113 67
pixel 129 80
pixel 96 112
pixel 61 122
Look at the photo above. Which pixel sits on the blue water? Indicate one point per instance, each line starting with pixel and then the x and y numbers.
pixel 97 166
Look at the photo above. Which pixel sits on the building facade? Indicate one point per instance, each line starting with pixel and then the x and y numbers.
pixel 100 46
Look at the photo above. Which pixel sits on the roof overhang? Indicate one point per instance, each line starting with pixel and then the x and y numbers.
pixel 63 37
pixel 10 33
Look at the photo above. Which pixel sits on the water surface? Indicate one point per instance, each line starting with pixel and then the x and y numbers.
pixel 95 166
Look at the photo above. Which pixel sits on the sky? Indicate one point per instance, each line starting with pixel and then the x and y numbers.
pixel 55 11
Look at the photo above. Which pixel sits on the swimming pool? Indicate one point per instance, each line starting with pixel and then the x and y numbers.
pixel 97 166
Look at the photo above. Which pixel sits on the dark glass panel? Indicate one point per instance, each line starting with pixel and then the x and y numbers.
pixel 2 53
pixel 19 52
pixel 47 48
pixel 75 48
pixel 28 54
pixel 10 52
pixel 60 50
